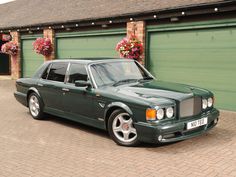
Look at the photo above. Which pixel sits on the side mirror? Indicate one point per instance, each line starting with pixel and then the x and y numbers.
pixel 80 83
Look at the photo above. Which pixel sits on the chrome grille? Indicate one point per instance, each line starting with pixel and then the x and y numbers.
pixel 190 107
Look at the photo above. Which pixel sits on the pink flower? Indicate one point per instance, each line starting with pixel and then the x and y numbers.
pixel 10 48
pixel 43 46
pixel 130 48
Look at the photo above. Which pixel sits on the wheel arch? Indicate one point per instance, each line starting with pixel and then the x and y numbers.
pixel 32 90
pixel 114 106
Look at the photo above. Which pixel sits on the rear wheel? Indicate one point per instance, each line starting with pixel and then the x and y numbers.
pixel 121 129
pixel 35 106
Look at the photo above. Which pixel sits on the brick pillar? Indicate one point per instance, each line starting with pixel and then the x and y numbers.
pixel 50 33
pixel 138 29
pixel 16 60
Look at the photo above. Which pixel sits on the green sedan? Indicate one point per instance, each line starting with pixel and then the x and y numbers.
pixel 120 96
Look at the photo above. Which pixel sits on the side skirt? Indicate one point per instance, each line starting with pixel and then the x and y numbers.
pixel 80 119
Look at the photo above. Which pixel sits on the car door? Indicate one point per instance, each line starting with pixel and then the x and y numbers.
pixel 51 85
pixel 78 101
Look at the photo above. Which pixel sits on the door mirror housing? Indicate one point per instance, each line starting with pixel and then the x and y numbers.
pixel 80 83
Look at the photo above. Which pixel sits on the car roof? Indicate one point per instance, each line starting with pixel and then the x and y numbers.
pixel 88 60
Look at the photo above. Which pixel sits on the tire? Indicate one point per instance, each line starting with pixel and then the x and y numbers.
pixel 35 106
pixel 121 129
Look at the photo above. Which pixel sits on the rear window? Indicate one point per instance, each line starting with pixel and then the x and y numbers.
pixel 57 72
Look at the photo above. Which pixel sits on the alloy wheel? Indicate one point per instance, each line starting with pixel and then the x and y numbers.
pixel 34 105
pixel 123 128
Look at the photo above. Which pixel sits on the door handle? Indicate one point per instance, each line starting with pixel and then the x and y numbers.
pixel 40 85
pixel 65 89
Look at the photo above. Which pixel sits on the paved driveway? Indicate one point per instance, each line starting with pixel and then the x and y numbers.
pixel 60 148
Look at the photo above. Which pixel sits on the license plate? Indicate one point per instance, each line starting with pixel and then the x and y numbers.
pixel 197 123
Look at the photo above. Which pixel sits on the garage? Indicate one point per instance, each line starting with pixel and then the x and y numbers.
pixel 4 64
pixel 197 55
pixel 86 45
pixel 30 60
pixel 4 58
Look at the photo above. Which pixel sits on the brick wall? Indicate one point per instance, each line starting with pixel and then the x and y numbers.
pixel 50 33
pixel 16 60
pixel 138 29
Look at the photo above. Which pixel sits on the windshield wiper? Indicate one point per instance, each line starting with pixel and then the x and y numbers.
pixel 125 81
pixel 146 78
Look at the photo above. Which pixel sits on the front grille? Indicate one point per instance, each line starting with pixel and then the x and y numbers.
pixel 190 107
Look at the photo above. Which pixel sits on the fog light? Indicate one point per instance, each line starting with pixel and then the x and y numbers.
pixel 209 102
pixel 159 137
pixel 204 103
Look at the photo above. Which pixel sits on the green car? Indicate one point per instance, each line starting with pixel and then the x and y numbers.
pixel 120 96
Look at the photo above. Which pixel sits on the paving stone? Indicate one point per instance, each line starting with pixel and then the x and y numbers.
pixel 58 147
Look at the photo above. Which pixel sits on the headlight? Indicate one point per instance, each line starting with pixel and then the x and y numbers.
pixel 160 114
pixel 169 112
pixel 204 103
pixel 209 102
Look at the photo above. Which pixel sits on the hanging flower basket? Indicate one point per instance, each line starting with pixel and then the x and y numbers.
pixel 10 48
pixel 130 48
pixel 43 46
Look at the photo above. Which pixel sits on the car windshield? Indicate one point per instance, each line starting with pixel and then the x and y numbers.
pixel 117 73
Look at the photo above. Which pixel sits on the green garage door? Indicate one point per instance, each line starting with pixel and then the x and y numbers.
pixel 30 60
pixel 87 45
pixel 203 57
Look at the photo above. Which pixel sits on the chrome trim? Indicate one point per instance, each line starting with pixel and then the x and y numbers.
pixel 40 85
pixel 149 74
pixel 90 75
pixel 48 70
pixel 67 73
pixel 101 119
pixel 190 107
pixel 65 89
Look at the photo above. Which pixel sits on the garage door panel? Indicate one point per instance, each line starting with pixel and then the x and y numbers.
pixel 30 60
pixel 204 58
pixel 226 100
pixel 88 46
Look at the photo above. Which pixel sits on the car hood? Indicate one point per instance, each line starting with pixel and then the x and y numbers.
pixel 158 92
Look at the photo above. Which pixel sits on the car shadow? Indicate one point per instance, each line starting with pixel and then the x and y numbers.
pixel 76 125
pixel 216 137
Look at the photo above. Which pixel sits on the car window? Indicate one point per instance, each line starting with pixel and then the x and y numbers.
pixel 77 72
pixel 45 73
pixel 57 72
pixel 113 72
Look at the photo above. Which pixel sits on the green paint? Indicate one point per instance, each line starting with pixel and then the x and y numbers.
pixel 201 57
pixel 193 25
pixel 84 45
pixel 93 106
pixel 30 60
pixel 92 33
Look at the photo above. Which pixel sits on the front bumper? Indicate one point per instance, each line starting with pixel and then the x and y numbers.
pixel 175 130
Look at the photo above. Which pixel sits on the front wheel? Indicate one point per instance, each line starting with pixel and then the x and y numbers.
pixel 35 106
pixel 121 129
